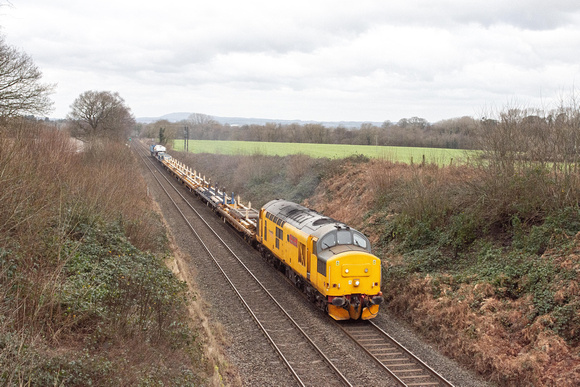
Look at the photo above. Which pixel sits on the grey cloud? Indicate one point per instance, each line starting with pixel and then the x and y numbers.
pixel 413 55
pixel 526 14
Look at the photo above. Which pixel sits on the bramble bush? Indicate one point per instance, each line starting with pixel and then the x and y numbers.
pixel 112 285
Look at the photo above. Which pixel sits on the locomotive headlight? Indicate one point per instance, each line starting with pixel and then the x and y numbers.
pixel 346 271
pixel 356 282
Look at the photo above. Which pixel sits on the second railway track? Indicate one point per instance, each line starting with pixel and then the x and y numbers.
pixel 403 365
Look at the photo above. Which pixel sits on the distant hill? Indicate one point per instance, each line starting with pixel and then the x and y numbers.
pixel 240 121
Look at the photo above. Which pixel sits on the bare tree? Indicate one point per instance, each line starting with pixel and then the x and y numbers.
pixel 200 119
pixel 202 124
pixel 171 130
pixel 100 114
pixel 21 92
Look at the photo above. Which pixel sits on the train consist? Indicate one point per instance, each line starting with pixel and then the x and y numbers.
pixel 329 261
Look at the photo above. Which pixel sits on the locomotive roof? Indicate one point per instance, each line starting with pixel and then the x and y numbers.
pixel 303 218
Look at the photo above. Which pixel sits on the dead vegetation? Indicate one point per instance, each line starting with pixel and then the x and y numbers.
pixel 259 178
pixel 85 296
pixel 500 295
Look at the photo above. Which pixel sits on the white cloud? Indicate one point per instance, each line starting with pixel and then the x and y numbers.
pixel 326 60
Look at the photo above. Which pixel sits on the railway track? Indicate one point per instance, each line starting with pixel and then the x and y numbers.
pixel 310 367
pixel 304 360
pixel 399 362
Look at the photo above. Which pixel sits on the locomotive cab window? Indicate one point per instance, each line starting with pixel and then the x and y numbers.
pixel 344 237
pixel 328 241
pixel 360 240
pixel 302 254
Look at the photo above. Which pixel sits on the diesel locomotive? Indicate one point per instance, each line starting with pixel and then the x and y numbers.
pixel 331 262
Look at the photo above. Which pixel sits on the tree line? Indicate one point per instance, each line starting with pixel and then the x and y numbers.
pixel 456 133
pixel 514 133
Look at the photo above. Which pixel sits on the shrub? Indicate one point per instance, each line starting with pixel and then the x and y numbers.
pixel 260 178
pixel 26 363
pixel 125 292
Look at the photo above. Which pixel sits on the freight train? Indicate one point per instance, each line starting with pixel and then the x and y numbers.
pixel 326 259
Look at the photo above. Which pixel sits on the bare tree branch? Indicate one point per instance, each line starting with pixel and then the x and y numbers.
pixel 100 114
pixel 21 92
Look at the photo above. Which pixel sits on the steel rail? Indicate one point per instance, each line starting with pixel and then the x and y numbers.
pixel 435 378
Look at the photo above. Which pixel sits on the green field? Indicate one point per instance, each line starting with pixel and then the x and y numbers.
pixel 333 151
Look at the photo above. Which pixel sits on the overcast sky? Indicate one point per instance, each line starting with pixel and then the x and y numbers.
pixel 335 60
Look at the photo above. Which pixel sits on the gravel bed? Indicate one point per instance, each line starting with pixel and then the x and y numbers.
pixel 451 370
pixel 246 347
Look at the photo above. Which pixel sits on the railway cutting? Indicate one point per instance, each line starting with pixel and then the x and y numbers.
pixel 298 351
